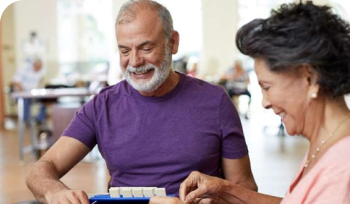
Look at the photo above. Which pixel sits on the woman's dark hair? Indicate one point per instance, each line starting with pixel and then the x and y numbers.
pixel 302 34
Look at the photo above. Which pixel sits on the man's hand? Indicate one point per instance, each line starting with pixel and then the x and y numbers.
pixel 68 196
pixel 198 185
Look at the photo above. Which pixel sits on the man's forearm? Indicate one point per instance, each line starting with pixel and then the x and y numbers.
pixel 43 181
pixel 17 86
pixel 250 184
pixel 247 196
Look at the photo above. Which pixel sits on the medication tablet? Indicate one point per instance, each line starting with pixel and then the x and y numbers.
pixel 126 192
pixel 114 192
pixel 137 192
pixel 148 191
pixel 160 192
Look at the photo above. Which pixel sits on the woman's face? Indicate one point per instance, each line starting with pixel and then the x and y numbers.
pixel 287 94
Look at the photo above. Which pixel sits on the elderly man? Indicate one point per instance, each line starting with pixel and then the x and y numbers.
pixel 153 128
pixel 30 76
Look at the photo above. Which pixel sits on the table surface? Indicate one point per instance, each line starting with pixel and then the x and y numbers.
pixel 52 93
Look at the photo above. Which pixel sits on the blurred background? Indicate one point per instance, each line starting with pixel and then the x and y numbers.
pixel 76 42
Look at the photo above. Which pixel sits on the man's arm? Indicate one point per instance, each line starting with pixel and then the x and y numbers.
pixel 238 171
pixel 44 177
pixel 17 86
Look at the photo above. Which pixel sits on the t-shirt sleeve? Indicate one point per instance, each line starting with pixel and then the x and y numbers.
pixel 233 141
pixel 82 127
pixel 21 72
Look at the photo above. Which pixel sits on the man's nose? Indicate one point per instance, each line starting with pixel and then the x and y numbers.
pixel 136 59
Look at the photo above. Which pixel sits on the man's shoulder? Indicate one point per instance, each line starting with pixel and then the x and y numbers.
pixel 121 88
pixel 203 85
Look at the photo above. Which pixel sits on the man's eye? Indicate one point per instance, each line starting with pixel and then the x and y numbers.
pixel 124 52
pixel 146 49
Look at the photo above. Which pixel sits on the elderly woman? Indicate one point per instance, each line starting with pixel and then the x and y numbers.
pixel 302 61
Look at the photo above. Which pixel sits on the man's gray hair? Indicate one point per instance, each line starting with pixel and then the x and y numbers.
pixel 128 13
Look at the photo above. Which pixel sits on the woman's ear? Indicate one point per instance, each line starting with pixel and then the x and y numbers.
pixel 312 76
pixel 312 79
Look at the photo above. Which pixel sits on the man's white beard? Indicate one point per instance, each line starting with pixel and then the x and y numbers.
pixel 159 76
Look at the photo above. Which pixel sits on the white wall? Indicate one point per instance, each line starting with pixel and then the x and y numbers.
pixel 39 16
pixel 220 22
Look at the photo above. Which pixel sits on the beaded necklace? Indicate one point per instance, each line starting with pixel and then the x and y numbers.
pixel 323 142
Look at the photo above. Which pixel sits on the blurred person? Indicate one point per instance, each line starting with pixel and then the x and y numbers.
pixel 30 76
pixel 236 82
pixel 302 62
pixel 193 71
pixel 33 46
pixel 154 127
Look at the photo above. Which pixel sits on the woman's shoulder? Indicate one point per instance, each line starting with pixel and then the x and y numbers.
pixel 342 146
pixel 337 157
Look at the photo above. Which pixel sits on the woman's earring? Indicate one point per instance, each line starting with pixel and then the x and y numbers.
pixel 314 95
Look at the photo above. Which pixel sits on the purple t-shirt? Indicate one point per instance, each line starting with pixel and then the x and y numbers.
pixel 159 141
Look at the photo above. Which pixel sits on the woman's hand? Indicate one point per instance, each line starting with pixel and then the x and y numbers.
pixel 198 185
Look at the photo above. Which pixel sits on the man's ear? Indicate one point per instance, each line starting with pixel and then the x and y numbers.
pixel 174 42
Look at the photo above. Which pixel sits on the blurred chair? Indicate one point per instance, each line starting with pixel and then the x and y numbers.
pixel 62 114
pixel 12 101
pixel 236 81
